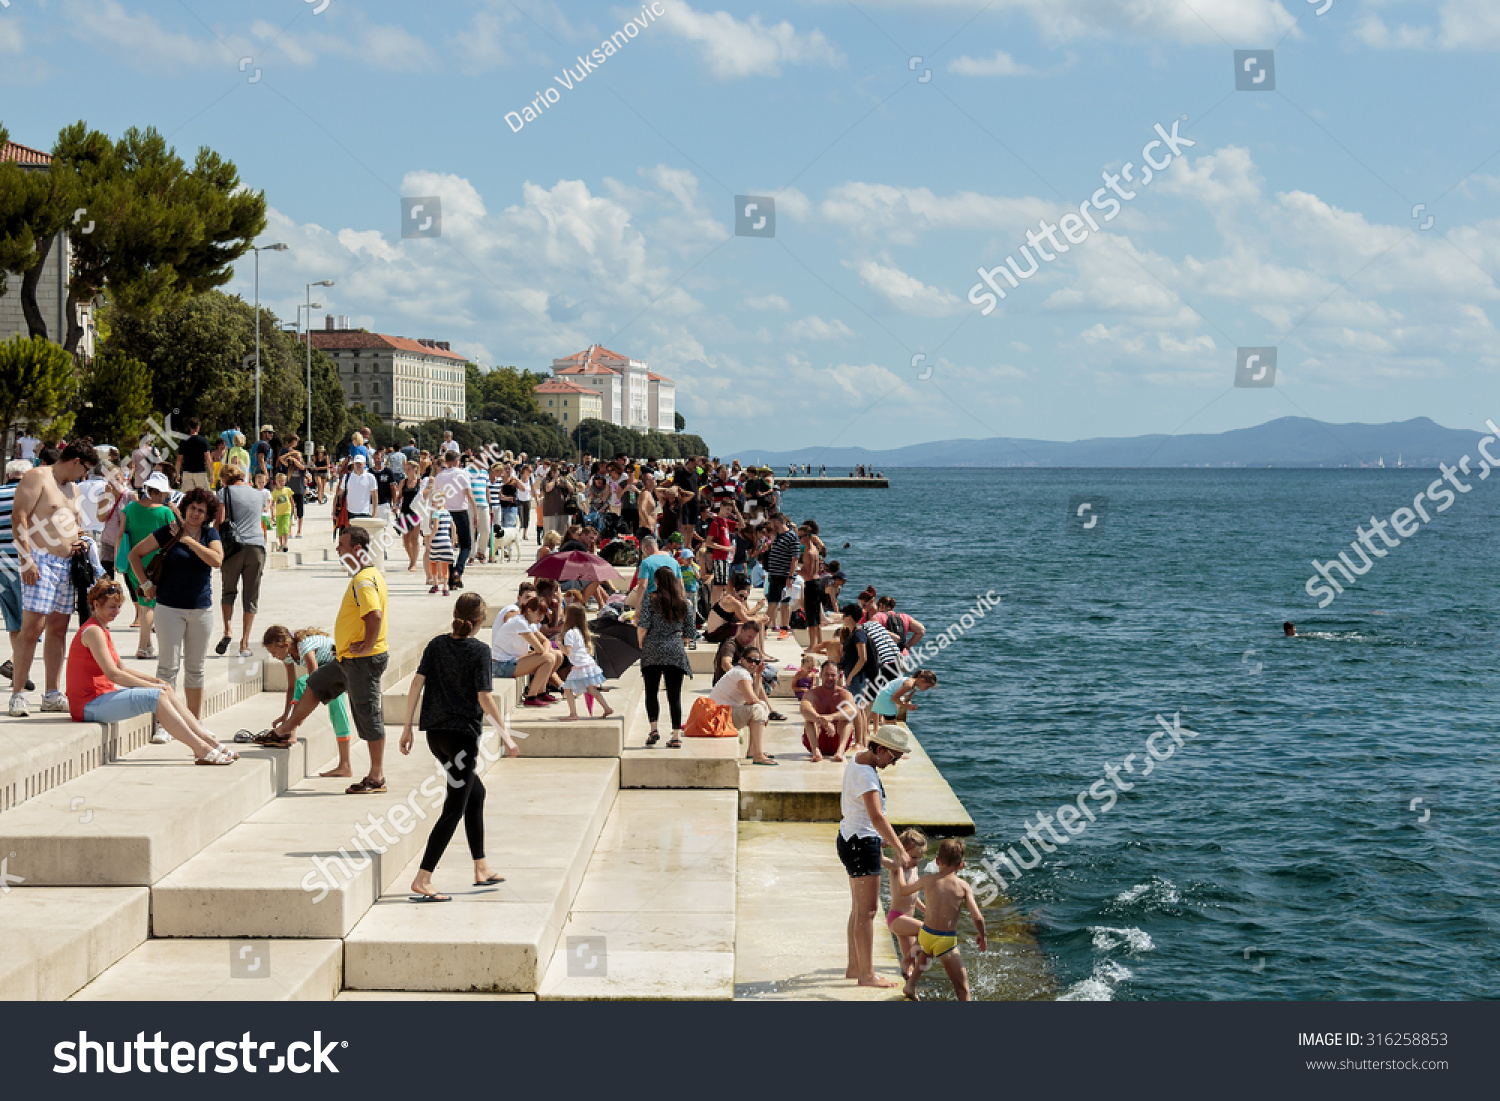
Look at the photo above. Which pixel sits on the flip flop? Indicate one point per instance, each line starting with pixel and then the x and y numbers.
pixel 490 882
pixel 223 645
pixel 429 898
pixel 767 763
pixel 243 736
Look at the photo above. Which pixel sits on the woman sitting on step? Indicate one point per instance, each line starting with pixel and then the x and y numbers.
pixel 101 691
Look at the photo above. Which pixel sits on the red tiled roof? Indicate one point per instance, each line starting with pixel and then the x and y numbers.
pixel 597 360
pixel 23 154
pixel 563 386
pixel 348 339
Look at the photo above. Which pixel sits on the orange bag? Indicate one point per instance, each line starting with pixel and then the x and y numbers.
pixel 709 720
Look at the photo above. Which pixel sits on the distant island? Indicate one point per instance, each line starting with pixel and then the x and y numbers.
pixel 1286 442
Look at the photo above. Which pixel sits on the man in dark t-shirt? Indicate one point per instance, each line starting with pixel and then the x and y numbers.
pixel 192 459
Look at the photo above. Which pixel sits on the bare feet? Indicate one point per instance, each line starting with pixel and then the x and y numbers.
pixel 838 757
pixel 341 770
pixel 567 718
pixel 816 757
pixel 877 980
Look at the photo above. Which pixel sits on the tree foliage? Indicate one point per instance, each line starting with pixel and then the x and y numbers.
pixel 600 438
pixel 201 361
pixel 116 400
pixel 38 384
pixel 153 232
pixel 680 421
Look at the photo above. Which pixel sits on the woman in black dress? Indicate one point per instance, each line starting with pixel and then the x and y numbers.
pixel 409 521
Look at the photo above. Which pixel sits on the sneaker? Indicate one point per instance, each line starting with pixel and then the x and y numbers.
pixel 445 592
pixel 161 737
pixel 456 583
pixel 529 701
pixel 54 701
pixel 783 633
pixel 18 708
pixel 432 591
pixel 8 672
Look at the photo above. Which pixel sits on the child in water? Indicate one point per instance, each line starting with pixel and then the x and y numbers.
pixel 901 918
pixel 945 896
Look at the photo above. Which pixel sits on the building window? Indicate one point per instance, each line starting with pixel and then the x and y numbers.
pixel 565 418
pixel 375 387
pixel 356 389
pixel 375 408
pixel 356 368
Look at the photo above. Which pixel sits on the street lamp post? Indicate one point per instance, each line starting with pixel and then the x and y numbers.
pixel 258 249
pixel 310 286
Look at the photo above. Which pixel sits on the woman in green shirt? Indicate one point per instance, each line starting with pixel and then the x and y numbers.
pixel 143 518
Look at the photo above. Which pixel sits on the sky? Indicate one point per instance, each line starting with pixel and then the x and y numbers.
pixel 1340 209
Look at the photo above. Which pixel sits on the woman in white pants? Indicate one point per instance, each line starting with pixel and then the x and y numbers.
pixel 191 551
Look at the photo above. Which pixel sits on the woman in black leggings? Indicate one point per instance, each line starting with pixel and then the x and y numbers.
pixel 455 673
pixel 665 621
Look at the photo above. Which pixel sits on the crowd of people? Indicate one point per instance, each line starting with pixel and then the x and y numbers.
pixel 714 557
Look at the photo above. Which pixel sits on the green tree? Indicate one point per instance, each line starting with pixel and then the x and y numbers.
pixel 35 206
pixel 154 232
pixel 38 384
pixel 680 421
pixel 116 400
pixel 513 387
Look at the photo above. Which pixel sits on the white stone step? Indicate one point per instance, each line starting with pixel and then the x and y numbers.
pixel 654 916
pixel 792 915
pixel 222 971
pixel 58 939
pixel 541 823
pixel 131 822
pixel 297 867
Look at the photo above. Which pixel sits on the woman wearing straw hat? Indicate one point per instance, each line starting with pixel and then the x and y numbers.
pixel 861 830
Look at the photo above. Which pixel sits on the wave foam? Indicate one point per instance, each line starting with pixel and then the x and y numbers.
pixel 1107 939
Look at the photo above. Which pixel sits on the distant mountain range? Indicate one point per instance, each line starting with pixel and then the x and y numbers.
pixel 1287 442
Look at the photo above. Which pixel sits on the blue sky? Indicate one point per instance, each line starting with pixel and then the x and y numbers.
pixel 610 218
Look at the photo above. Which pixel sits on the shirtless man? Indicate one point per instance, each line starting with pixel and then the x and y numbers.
pixel 825 711
pixel 811 569
pixel 46 529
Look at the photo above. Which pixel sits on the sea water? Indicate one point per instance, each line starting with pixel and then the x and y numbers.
pixel 1333 831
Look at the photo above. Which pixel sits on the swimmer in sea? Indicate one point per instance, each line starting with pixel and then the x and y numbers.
pixel 1289 629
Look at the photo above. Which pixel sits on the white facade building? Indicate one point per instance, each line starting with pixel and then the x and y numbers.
pixel 632 395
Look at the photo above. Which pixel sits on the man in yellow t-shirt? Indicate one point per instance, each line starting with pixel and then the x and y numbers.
pixel 359 641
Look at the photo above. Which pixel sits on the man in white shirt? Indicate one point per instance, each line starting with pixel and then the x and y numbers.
pixel 28 445
pixel 360 489
pixel 449 444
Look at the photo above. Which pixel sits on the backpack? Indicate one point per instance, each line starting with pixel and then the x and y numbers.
pixel 799 620
pixel 895 626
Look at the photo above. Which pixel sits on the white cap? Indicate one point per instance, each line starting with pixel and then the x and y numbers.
pixel 357 459
pixel 159 481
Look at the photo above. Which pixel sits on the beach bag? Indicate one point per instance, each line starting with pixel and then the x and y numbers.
pixel 799 620
pixel 710 720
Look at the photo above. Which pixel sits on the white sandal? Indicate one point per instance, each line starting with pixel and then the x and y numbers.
pixel 218 755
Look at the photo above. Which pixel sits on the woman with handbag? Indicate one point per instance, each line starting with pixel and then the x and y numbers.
pixel 665 621
pixel 181 582
pixel 142 518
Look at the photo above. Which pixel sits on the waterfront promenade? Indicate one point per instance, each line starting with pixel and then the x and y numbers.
pixel 630 872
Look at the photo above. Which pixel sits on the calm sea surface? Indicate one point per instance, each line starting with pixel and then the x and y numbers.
pixel 1278 854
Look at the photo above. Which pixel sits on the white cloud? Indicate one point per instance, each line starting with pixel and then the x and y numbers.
pixel 1002 64
pixel 732 49
pixel 815 328
pixel 768 302
pixel 144 43
pixel 902 292
pixel 1461 25
pixel 900 215
pixel 1190 21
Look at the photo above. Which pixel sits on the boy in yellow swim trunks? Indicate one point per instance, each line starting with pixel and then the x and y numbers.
pixel 945 896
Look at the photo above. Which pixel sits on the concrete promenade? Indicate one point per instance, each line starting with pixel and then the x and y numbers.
pixel 630 872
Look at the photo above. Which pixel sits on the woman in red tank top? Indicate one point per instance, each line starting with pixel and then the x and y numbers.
pixel 101 691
